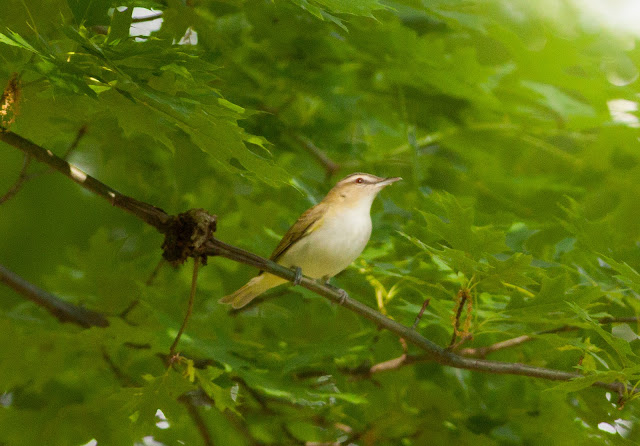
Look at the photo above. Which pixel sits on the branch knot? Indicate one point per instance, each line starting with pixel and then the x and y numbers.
pixel 186 235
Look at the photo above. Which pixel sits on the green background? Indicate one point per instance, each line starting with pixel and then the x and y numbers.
pixel 518 182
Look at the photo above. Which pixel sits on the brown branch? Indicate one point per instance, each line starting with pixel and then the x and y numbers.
pixel 63 311
pixel 22 177
pixel 425 304
pixel 151 215
pixel 74 145
pixel 462 297
pixel 158 218
pixel 391 364
pixel 329 165
pixel 189 402
pixel 482 352
pixel 66 312
pixel 154 273
pixel 147 18
pixel 434 351
pixel 125 380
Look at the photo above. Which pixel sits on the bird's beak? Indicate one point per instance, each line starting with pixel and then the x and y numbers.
pixel 387 181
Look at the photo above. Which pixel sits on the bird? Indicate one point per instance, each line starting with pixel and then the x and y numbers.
pixel 326 238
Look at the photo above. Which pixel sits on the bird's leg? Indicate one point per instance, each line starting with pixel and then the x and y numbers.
pixel 343 294
pixel 298 277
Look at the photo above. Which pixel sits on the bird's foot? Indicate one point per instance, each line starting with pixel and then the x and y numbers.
pixel 343 296
pixel 298 277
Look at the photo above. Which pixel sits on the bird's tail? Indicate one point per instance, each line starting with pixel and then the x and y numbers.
pixel 251 290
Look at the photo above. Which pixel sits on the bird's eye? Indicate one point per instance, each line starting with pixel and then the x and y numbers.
pixel 359 180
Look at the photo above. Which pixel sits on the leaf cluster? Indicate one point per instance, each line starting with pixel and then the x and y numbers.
pixel 520 187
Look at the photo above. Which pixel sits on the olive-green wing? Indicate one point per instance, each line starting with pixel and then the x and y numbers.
pixel 306 224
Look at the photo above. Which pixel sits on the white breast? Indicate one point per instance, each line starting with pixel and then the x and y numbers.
pixel 333 246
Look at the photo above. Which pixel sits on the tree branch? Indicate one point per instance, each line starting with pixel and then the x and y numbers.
pixel 22 177
pixel 148 18
pixel 482 352
pixel 189 400
pixel 434 351
pixel 329 165
pixel 425 304
pixel 66 312
pixel 158 218
pixel 151 215
pixel 63 311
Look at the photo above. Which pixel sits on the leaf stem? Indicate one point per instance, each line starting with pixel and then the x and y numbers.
pixel 192 294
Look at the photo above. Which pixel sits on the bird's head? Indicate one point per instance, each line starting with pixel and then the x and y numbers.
pixel 358 189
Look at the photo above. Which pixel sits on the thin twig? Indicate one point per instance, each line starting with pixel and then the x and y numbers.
pixel 151 215
pixel 198 420
pixel 130 307
pixel 329 165
pixel 66 312
pixel 125 380
pixel 147 18
pixel 390 364
pixel 158 218
pixel 74 145
pixel 483 352
pixel 22 177
pixel 154 273
pixel 63 311
pixel 425 304
pixel 464 338
pixel 462 298
pixel 192 294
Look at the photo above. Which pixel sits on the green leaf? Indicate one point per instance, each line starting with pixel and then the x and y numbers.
pixel 90 13
pixel 16 40
pixel 560 102
pixel 455 226
pixel 120 24
pixel 624 352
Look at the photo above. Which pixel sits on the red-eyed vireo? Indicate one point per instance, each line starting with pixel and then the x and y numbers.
pixel 325 239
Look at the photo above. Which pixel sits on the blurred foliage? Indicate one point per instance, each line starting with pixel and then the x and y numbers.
pixel 520 183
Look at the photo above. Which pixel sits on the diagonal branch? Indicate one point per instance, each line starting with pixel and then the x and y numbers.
pixel 329 165
pixel 64 311
pixel 156 16
pixel 67 312
pixel 152 215
pixel 159 219
pixel 22 177
pixel 482 352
